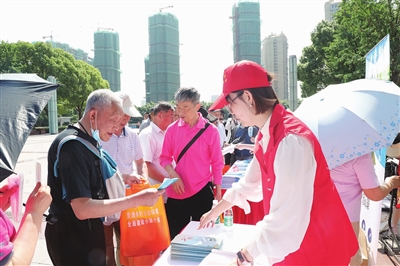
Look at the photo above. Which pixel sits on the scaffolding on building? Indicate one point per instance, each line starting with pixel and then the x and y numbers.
pixel 107 56
pixel 163 66
pixel 246 27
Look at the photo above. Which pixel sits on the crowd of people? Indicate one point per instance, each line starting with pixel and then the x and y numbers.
pixel 170 139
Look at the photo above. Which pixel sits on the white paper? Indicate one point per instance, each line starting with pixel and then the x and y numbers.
pixel 228 149
pixel 219 257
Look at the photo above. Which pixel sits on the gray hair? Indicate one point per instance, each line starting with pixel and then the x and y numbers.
pixel 189 94
pixel 102 99
pixel 161 107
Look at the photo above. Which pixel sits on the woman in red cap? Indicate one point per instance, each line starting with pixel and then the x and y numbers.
pixel 305 222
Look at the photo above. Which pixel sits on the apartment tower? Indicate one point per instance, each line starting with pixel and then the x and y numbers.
pixel 162 66
pixel 107 56
pixel 246 25
pixel 331 7
pixel 293 82
pixel 274 58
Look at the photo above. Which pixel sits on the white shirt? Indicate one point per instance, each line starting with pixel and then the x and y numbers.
pixel 124 149
pixel 229 126
pixel 222 136
pixel 283 229
pixel 151 139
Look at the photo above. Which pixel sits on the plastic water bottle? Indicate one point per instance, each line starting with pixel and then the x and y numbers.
pixel 215 202
pixel 228 218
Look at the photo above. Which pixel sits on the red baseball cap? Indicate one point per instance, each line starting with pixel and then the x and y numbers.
pixel 240 76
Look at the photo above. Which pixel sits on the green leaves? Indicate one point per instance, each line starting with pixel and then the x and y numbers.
pixel 338 49
pixel 77 79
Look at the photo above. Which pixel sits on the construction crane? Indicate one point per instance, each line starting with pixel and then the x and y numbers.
pixel 110 29
pixel 165 7
pixel 48 37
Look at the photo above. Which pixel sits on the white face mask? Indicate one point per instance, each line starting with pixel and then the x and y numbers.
pixel 95 133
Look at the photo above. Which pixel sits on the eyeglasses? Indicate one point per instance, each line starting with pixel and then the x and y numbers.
pixel 230 101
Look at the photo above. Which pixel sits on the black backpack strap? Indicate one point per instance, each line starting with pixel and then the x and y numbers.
pixel 73 137
pixel 192 141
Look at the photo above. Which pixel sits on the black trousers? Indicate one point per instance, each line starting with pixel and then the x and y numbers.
pixel 181 211
pixel 71 241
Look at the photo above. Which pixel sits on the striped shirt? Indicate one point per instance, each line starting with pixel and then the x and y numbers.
pixel 124 149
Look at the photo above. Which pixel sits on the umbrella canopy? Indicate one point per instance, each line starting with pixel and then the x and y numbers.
pixel 353 118
pixel 22 99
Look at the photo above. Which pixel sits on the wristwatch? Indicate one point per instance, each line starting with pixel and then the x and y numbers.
pixel 240 257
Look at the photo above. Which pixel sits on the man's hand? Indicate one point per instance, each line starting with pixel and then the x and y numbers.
pixel 178 186
pixel 133 179
pixel 148 196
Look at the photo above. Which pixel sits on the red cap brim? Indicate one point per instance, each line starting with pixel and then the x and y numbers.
pixel 219 103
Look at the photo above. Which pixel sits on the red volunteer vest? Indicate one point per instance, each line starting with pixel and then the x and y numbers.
pixel 329 239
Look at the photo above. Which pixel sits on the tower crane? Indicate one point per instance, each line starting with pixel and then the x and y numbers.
pixel 165 7
pixel 48 37
pixel 100 28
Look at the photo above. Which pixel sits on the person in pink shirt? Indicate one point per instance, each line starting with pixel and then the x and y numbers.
pixel 353 178
pixel 18 248
pixel 198 169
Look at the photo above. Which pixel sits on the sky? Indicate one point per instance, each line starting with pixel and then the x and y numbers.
pixel 204 26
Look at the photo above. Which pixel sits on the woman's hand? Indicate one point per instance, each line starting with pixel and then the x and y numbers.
pixel 248 259
pixel 5 194
pixel 39 200
pixel 395 180
pixel 208 219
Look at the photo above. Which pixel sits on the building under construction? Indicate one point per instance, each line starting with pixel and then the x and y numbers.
pixel 78 54
pixel 107 56
pixel 162 64
pixel 246 25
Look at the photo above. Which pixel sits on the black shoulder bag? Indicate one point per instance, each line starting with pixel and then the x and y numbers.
pixel 191 142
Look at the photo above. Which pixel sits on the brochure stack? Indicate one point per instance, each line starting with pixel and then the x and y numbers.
pixel 192 247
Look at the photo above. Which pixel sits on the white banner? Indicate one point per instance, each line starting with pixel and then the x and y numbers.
pixel 377 61
pixel 377 66
pixel 371 211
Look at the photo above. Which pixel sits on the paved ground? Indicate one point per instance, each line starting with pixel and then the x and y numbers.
pixel 34 154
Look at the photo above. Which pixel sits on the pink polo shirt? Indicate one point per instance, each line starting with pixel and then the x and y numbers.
pixel 7 234
pixel 350 179
pixel 202 162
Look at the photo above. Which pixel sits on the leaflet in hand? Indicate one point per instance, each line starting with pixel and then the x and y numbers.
pixel 228 149
pixel 167 182
pixel 16 198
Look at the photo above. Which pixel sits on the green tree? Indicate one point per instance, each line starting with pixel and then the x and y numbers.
pixel 77 79
pixel 338 49
pixel 361 24
pixel 312 69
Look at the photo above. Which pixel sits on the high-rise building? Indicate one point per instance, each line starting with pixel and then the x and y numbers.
pixel 246 26
pixel 331 7
pixel 162 66
pixel 274 58
pixel 107 56
pixel 147 79
pixel 293 82
pixel 78 54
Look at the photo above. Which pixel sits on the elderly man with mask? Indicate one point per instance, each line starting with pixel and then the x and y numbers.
pixel 75 234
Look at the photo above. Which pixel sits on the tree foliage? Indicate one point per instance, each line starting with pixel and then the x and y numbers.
pixel 338 49
pixel 77 79
pixel 313 69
